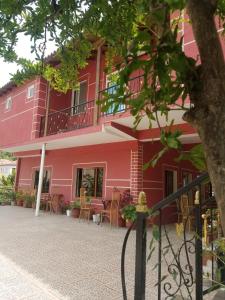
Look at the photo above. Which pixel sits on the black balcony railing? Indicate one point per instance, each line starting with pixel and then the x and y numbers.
pixel 68 119
pixel 132 89
pixel 82 115
pixel 176 261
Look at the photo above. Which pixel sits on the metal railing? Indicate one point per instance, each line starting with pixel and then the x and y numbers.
pixel 68 119
pixel 82 115
pixel 178 261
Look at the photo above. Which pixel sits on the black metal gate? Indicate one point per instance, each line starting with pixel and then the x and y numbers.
pixel 176 263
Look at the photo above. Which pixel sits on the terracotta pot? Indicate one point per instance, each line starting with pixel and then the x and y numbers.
pixel 75 212
pixel 27 204
pixel 121 222
pixel 128 224
pixel 19 202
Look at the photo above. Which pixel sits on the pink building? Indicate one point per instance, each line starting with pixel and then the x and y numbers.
pixel 83 145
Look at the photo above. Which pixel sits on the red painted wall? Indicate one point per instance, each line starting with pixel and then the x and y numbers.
pixel 19 124
pixel 116 159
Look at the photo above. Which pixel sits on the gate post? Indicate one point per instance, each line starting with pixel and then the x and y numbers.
pixel 198 248
pixel 140 259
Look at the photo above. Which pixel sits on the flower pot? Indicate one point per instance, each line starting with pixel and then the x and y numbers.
pixel 128 223
pixel 75 212
pixel 68 213
pixel 121 222
pixel 19 202
pixel 12 203
pixel 96 218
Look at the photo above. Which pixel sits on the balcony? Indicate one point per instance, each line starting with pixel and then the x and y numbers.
pixel 82 115
pixel 72 118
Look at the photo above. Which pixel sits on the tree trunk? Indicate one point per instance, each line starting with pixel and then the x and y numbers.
pixel 208 95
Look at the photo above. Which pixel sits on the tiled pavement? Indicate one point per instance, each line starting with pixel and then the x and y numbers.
pixel 55 257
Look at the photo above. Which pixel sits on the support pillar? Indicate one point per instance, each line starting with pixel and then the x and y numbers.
pixel 136 175
pixel 41 174
pixel 16 186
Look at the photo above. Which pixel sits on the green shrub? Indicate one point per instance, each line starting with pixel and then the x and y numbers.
pixel 129 212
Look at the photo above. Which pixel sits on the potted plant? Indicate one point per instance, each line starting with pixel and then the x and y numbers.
pixel 67 208
pixel 28 200
pixel 33 201
pixel 19 198
pixel 129 214
pixel 125 200
pixel 75 207
pixel 12 197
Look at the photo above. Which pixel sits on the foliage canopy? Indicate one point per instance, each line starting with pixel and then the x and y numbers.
pixel 128 28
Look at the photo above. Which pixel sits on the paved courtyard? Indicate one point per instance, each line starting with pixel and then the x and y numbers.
pixel 54 257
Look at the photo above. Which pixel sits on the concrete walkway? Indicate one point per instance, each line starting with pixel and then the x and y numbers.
pixel 55 257
pixel 16 283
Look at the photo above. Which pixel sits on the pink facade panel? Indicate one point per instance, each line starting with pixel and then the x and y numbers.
pixel 20 109
pixel 122 168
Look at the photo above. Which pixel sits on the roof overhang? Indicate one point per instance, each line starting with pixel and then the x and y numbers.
pixel 88 136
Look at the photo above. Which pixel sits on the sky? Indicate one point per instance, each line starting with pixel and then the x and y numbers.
pixel 23 49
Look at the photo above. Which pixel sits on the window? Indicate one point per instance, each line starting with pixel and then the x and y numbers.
pixel 46 181
pixel 170 182
pixel 111 84
pixel 79 98
pixel 8 103
pixel 91 179
pixel 30 91
pixel 186 178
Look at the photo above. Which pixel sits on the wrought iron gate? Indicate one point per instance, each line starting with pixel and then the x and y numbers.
pixel 176 260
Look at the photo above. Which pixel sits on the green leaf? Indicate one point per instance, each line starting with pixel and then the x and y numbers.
pixel 155 232
pixel 196 156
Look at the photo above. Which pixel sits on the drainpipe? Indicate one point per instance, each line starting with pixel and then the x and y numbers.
pixel 47 109
pixel 40 181
pixel 97 85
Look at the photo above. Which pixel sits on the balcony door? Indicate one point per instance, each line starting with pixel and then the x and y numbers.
pixel 79 98
pixel 111 85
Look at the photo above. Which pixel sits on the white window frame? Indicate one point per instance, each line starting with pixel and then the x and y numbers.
pixel 29 89
pixel 8 104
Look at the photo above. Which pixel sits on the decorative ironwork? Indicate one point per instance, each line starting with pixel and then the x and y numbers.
pixel 142 203
pixel 68 119
pixel 180 259
pixel 180 269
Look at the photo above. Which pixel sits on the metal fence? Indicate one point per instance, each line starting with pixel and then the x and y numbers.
pixel 175 253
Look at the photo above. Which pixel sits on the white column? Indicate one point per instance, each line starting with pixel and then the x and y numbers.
pixel 41 174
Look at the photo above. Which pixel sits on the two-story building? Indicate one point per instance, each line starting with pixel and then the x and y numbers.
pixel 80 145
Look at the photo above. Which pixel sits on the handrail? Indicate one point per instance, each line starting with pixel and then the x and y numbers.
pixel 115 85
pixel 171 198
pixel 68 108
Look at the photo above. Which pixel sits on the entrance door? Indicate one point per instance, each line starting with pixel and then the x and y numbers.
pixel 170 179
